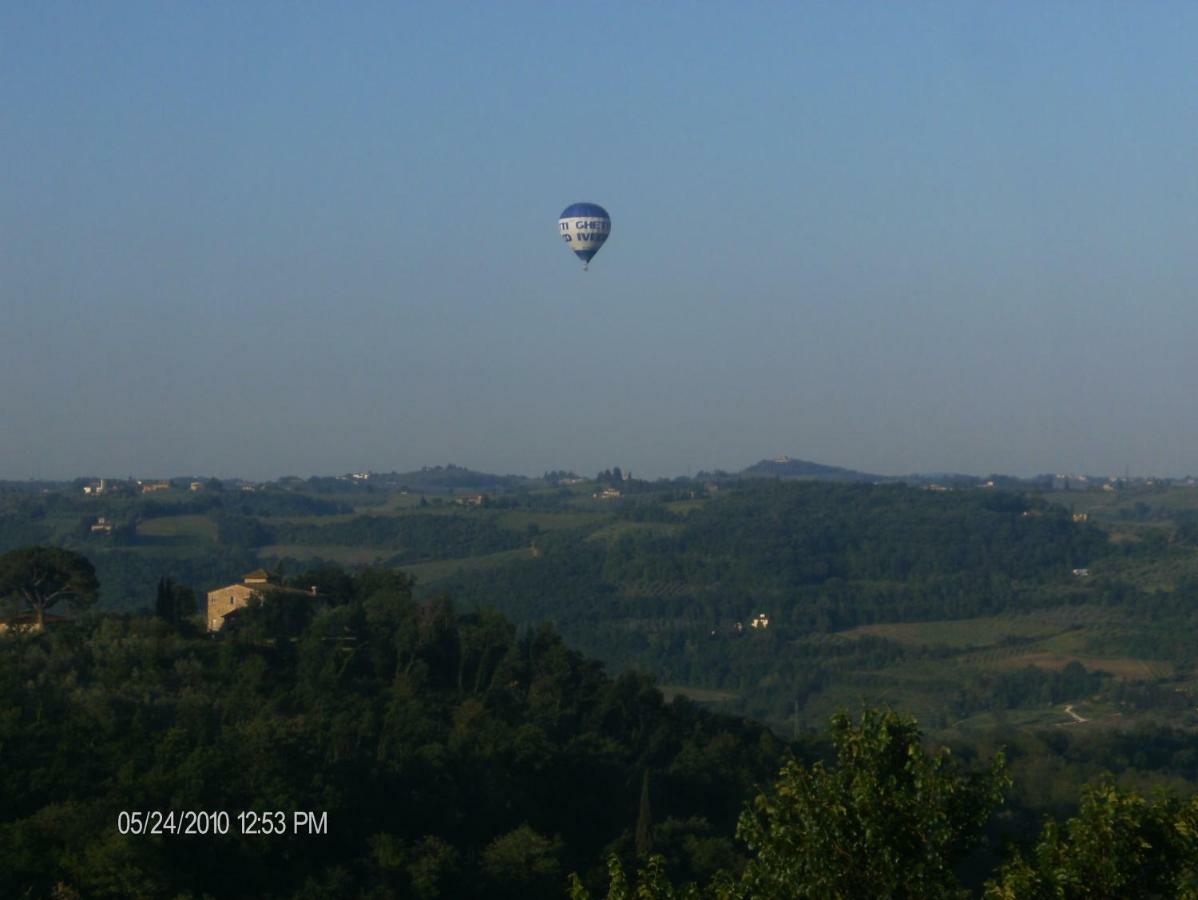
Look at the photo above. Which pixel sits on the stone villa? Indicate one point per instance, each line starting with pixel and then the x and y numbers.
pixel 229 599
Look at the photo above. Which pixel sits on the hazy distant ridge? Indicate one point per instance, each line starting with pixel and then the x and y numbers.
pixel 785 467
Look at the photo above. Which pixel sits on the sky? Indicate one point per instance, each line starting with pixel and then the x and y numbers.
pixel 310 238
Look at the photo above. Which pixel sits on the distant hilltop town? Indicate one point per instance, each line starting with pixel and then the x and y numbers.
pixel 128 486
pixel 613 482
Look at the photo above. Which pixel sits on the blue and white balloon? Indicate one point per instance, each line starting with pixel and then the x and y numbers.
pixel 584 227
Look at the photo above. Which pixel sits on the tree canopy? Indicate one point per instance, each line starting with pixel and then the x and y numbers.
pixel 42 577
pixel 889 819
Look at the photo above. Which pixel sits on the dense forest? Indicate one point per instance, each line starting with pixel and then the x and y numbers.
pixel 449 754
pixel 452 756
pixel 678 594
pixel 783 600
pixel 1058 628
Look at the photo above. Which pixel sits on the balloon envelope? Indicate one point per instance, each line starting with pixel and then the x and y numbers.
pixel 584 227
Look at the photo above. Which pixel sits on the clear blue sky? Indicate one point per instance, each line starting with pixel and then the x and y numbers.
pixel 262 239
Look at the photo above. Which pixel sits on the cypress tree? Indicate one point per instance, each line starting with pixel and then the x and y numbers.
pixel 644 822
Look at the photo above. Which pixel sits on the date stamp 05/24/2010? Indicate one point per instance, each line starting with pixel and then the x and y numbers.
pixel 219 822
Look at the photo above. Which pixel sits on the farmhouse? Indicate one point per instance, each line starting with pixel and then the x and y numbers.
pixel 229 599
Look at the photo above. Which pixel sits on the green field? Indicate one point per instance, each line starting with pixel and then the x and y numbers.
pixel 697 695
pixel 620 527
pixel 1048 639
pixel 322 520
pixel 1094 714
pixel 959 634
pixel 519 520
pixel 429 572
pixel 1127 667
pixel 961 651
pixel 1129 505
pixel 387 510
pixel 1152 573
pixel 193 527
pixel 346 556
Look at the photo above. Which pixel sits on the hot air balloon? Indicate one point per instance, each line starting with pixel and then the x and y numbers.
pixel 584 227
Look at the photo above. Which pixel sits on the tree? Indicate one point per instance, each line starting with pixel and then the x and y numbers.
pixel 331 582
pixel 41 577
pixel 1118 846
pixel 651 884
pixel 175 602
pixel 644 822
pixel 891 819
pixel 523 864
